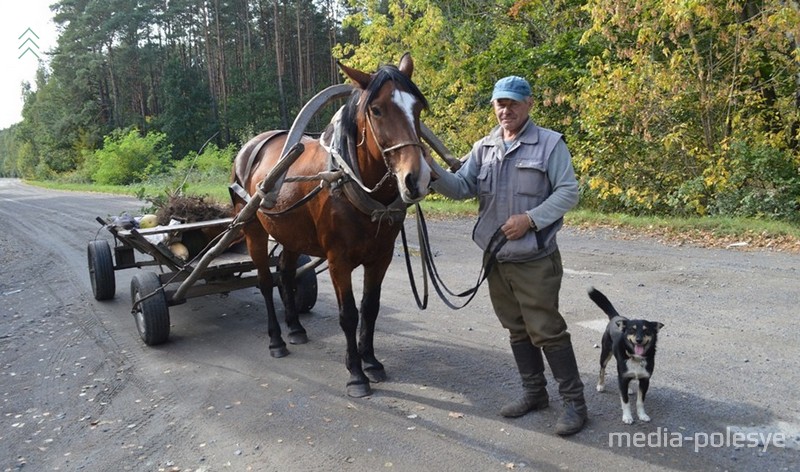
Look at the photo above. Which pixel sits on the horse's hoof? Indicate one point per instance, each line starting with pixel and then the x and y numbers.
pixel 375 375
pixel 358 390
pixel 298 338
pixel 278 352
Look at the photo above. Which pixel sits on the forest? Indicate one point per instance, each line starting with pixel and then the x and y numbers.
pixel 684 107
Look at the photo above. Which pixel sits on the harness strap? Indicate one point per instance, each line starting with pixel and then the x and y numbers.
pixel 239 191
pixel 496 243
pixel 395 212
pixel 296 204
pixel 352 172
pixel 251 159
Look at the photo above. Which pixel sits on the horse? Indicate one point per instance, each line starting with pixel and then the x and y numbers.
pixel 372 146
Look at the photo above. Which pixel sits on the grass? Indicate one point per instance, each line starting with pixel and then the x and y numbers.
pixel 747 233
pixel 719 225
pixel 715 231
pixel 213 187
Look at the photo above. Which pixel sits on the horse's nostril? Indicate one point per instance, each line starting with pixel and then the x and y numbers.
pixel 411 185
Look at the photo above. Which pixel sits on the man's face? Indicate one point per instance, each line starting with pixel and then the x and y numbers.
pixel 511 114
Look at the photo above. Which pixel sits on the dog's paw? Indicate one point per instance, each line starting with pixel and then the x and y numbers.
pixel 627 419
pixel 640 411
pixel 601 388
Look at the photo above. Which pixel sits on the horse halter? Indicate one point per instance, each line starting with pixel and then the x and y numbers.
pixel 385 151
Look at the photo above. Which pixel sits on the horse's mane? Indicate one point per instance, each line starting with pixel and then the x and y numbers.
pixel 352 108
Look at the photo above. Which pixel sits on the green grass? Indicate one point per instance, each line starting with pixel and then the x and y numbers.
pixel 215 188
pixel 436 206
pixel 720 226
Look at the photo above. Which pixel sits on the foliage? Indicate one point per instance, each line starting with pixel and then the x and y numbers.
pixel 9 150
pixel 186 118
pixel 211 161
pixel 128 157
pixel 186 69
pixel 685 100
pixel 763 182
pixel 680 108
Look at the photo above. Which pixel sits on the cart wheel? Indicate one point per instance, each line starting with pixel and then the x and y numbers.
pixel 306 295
pixel 101 269
pixel 152 314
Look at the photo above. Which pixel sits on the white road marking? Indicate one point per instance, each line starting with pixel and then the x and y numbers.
pixel 585 272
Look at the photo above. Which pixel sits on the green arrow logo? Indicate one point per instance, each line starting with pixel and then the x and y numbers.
pixel 32 47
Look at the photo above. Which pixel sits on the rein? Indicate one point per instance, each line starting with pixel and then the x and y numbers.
pixel 496 243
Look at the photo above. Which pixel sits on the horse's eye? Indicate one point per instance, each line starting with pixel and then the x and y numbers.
pixel 376 112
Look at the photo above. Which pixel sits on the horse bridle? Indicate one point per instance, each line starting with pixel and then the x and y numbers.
pixel 385 151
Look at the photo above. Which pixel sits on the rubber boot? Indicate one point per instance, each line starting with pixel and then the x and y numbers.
pixel 531 370
pixel 565 371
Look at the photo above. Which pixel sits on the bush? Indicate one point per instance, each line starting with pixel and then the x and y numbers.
pixel 211 162
pixel 764 182
pixel 127 157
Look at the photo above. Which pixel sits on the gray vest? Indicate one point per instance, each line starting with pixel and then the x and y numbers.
pixel 512 182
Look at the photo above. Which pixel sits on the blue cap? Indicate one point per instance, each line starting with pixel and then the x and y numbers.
pixel 513 87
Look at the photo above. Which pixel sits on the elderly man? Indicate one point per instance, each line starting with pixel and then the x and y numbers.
pixel 523 177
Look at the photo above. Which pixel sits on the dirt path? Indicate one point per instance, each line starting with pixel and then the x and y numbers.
pixel 80 391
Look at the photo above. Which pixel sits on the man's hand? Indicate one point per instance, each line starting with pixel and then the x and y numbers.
pixel 516 226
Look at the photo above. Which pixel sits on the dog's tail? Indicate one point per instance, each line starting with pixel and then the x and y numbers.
pixel 603 302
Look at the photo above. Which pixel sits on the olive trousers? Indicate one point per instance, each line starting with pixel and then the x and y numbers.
pixel 524 296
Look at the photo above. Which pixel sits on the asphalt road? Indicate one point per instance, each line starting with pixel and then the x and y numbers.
pixel 80 391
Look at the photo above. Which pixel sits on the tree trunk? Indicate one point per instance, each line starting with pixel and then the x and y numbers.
pixel 279 61
pixel 300 72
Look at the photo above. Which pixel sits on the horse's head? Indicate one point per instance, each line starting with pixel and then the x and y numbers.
pixel 387 110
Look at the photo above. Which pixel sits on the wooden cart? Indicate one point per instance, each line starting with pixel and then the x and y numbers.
pixel 153 292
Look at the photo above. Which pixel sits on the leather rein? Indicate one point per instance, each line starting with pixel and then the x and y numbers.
pixel 496 243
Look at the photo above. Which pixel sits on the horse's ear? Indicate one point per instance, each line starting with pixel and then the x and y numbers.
pixel 360 78
pixel 406 65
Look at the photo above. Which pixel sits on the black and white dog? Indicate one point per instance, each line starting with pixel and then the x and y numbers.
pixel 633 344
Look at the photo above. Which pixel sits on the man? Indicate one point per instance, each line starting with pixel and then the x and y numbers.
pixel 523 177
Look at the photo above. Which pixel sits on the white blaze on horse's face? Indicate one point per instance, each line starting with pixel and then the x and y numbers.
pixel 411 192
pixel 405 101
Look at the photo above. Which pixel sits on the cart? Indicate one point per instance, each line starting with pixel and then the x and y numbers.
pixel 177 280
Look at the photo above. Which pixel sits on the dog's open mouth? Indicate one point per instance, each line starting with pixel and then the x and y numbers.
pixel 638 349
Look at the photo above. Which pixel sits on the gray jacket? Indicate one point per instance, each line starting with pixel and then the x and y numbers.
pixel 535 175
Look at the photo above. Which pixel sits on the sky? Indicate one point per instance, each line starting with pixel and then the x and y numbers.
pixel 20 22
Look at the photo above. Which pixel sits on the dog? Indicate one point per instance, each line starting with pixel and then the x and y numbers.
pixel 633 344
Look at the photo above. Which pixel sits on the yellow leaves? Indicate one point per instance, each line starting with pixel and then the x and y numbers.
pixel 717 175
pixel 642 198
pixel 583 164
pixel 603 187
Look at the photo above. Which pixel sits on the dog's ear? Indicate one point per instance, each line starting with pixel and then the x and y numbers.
pixel 622 324
pixel 656 326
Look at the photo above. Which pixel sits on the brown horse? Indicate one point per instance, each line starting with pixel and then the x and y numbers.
pixel 372 147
